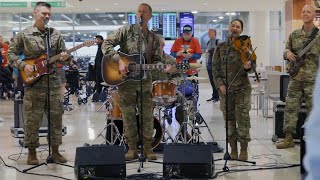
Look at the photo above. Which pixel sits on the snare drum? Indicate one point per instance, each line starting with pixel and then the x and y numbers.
pixel 113 111
pixel 164 92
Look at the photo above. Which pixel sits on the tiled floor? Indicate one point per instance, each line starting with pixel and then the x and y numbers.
pixel 84 124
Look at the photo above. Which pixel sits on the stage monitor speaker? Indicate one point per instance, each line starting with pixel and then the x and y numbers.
pixel 284 81
pixel 188 161
pixel 100 162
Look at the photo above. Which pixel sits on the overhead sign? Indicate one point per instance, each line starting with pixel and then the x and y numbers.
pixel 13 4
pixel 59 4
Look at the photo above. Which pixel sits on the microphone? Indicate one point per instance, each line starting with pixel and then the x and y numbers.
pixel 233 33
pixel 45 21
pixel 141 21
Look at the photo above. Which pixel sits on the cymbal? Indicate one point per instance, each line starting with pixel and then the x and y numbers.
pixel 104 84
pixel 196 78
pixel 194 66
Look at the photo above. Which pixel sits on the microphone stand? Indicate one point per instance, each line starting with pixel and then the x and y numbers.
pixel 49 159
pixel 226 156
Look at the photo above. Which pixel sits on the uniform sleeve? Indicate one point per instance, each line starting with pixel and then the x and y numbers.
pixel 216 65
pixel 113 40
pixel 13 53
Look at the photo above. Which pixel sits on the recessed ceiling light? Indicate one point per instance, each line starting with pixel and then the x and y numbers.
pixel 124 22
pixel 96 9
pixel 227 13
pixel 163 9
pixel 214 20
pixel 121 15
pixel 233 14
pixel 30 17
pixel 194 12
pixel 220 17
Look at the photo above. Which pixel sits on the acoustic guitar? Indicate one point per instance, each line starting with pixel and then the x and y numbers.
pixel 39 65
pixel 112 76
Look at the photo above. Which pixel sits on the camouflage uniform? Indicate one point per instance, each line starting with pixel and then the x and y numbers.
pixel 301 86
pixel 31 42
pixel 129 93
pixel 238 93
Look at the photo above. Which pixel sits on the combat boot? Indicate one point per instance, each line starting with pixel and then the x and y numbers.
pixel 147 150
pixel 243 151
pixel 32 157
pixel 132 152
pixel 234 149
pixel 56 156
pixel 287 142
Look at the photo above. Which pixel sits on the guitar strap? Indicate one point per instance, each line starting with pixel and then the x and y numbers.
pixel 150 44
pixel 311 37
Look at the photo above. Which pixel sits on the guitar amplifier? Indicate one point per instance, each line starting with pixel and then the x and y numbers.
pixel 278 109
pixel 17 130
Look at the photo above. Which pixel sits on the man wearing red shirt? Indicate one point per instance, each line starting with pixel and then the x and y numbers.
pixel 186 48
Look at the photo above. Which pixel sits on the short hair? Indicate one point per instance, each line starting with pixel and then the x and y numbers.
pixel 240 21
pixel 145 4
pixel 214 30
pixel 99 37
pixel 41 3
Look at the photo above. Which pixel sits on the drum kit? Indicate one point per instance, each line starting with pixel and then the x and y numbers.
pixel 165 95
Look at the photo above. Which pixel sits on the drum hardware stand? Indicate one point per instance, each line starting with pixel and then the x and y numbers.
pixel 164 117
pixel 113 137
pixel 106 102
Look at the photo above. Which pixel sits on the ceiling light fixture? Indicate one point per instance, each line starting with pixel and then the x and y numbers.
pixel 194 12
pixel 121 15
pixel 214 20
pixel 220 17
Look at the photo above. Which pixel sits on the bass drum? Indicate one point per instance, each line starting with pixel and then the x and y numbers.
pixel 157 131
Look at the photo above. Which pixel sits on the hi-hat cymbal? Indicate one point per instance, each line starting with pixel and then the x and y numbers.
pixel 196 78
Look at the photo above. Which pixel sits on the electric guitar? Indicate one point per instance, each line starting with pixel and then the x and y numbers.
pixel 294 66
pixel 39 65
pixel 112 76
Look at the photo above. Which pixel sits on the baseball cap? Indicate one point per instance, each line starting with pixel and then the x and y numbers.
pixel 187 29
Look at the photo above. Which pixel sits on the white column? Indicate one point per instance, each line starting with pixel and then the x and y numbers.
pixel 259 32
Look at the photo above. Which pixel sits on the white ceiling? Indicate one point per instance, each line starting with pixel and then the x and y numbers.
pixel 86 6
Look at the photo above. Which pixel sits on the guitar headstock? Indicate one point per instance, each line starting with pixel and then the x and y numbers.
pixel 89 43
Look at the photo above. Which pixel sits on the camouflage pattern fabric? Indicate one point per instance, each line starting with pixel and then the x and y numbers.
pixel 301 86
pixel 129 93
pixel 31 42
pixel 239 92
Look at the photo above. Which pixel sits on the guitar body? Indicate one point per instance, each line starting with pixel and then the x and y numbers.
pixel 293 67
pixel 40 70
pixel 111 74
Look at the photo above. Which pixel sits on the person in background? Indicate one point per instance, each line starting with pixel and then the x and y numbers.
pixel 211 45
pixel 186 48
pixel 301 85
pixel 97 68
pixel 31 42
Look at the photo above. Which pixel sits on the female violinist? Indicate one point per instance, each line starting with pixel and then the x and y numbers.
pixel 228 57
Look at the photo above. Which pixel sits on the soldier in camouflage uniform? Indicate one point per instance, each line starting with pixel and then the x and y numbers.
pixel 300 86
pixel 31 41
pixel 239 91
pixel 129 92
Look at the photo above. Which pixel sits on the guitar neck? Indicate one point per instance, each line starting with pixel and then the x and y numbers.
pixel 135 67
pixel 69 51
pixel 306 49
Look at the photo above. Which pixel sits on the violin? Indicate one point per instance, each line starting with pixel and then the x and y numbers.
pixel 243 45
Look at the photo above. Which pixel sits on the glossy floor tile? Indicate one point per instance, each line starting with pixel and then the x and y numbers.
pixel 84 124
